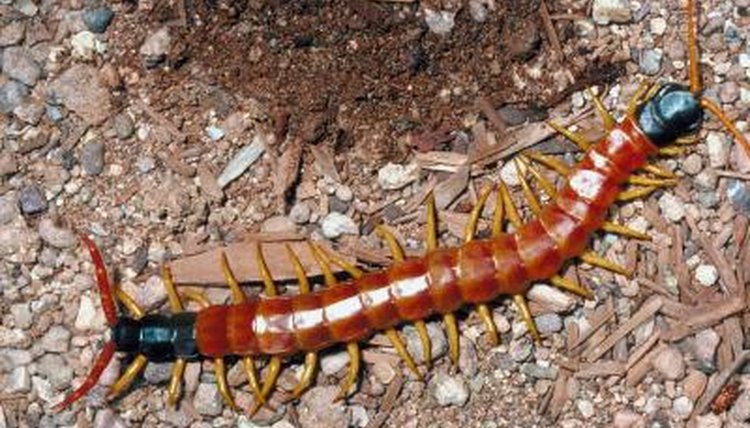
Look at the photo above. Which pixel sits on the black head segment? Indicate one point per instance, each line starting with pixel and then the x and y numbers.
pixel 673 112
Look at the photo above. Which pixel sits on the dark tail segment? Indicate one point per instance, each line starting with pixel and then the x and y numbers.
pixel 110 312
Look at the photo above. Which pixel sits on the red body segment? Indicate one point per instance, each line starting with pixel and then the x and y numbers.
pixel 441 281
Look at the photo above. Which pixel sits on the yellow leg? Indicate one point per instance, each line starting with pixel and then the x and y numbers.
pixel 174 388
pixel 572 286
pixel 523 308
pixel 268 286
pixel 311 358
pixel 325 268
pixel 451 329
pixel 274 368
pixel 510 208
pixel 352 349
pixel 596 260
pixel 688 140
pixel 619 229
pixel 238 296
pixel 401 350
pixel 640 95
pixel 528 193
pixel 638 180
pixel 499 215
pixel 127 377
pixel 672 151
pixel 609 121
pixel 248 364
pixel 471 225
pixel 329 258
pixel 659 172
pixel 395 248
pixel 489 324
pixel 308 372
pixel 129 303
pixel 549 188
pixel 635 193
pixel 220 371
pixel 574 137
pixel 424 339
pixel 174 299
pixel 550 162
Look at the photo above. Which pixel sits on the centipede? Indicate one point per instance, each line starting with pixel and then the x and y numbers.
pixel 275 327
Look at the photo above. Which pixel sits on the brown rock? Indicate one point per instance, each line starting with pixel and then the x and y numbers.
pixel 81 89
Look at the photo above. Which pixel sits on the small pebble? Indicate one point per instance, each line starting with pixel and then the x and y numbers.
pixel 55 236
pixel 548 323
pixel 718 149
pixel 145 164
pixel 30 113
pixel 92 157
pixel 395 176
pixel 706 275
pixel 107 418
pixel 670 363
pixel 694 384
pixel 124 126
pixel 521 349
pixel 709 420
pixel 605 12
pixel 449 390
pixel 22 315
pixel 12 33
pixel 19 64
pixel 740 411
pixel 671 207
pixel 337 224
pixel 682 407
pixel 693 164
pixel 207 400
pixel 155 48
pixel 215 133
pixel 586 408
pixel 56 339
pixel 242 160
pixel 157 373
pixel 344 193
pixel 32 200
pixel 628 419
pixel 97 20
pixel 12 94
pixel 440 22
pixel 88 317
pixel 18 381
pixel 8 210
pixel 300 213
pixel 658 26
pixel 739 194
pixel 384 372
pixel 331 364
pixel 650 61
pixel 318 408
pixel 729 92
pixel 705 344
pixel 278 224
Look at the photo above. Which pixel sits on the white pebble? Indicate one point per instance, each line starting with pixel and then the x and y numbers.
pixel 337 224
pixel 394 176
pixel 718 149
pixel 707 275
pixel 586 408
pixel 242 161
pixel 671 207
pixel 658 26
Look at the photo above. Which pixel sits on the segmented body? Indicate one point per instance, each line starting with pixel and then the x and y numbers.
pixel 441 281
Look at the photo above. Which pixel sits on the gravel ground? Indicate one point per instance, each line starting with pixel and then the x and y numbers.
pixel 164 129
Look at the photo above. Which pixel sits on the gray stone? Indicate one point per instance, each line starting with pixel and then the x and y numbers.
pixel 12 94
pixel 124 126
pixel 88 317
pixel 440 22
pixel 97 20
pixel 54 114
pixel 22 315
pixel 155 48
pixel 605 12
pixel 586 408
pixel 278 224
pixel 467 358
pixel 319 408
pixel 145 164
pixel 8 164
pixel 30 113
pixel 729 92
pixel 207 400
pixel 331 364
pixel 157 373
pixel 31 200
pixel 81 89
pixel 693 164
pixel 538 371
pixel 92 157
pixel 548 323
pixel 12 33
pixel 300 213
pixel 704 348
pixel 650 61
pixel 394 176
pixel 12 358
pixel 718 146
pixel 670 363
pixel 27 7
pixel 740 411
pixel 19 64
pixel 521 349
pixel 18 380
pixel 56 339
pixel 739 194
pixel 628 419
pixel 8 210
pixel 106 418
pixel 337 224
pixel 54 368
pixel 449 390
pixel 671 207
pixel 682 407
pixel 438 342
pixel 55 236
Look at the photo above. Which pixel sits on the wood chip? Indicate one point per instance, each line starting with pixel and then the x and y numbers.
pixel 640 369
pixel 601 368
pixel 287 169
pixel 204 268
pixel 639 352
pixel 560 395
pixel 447 191
pixel 644 313
pixel 325 163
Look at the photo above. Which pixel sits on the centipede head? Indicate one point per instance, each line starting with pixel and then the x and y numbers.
pixel 110 312
pixel 674 111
